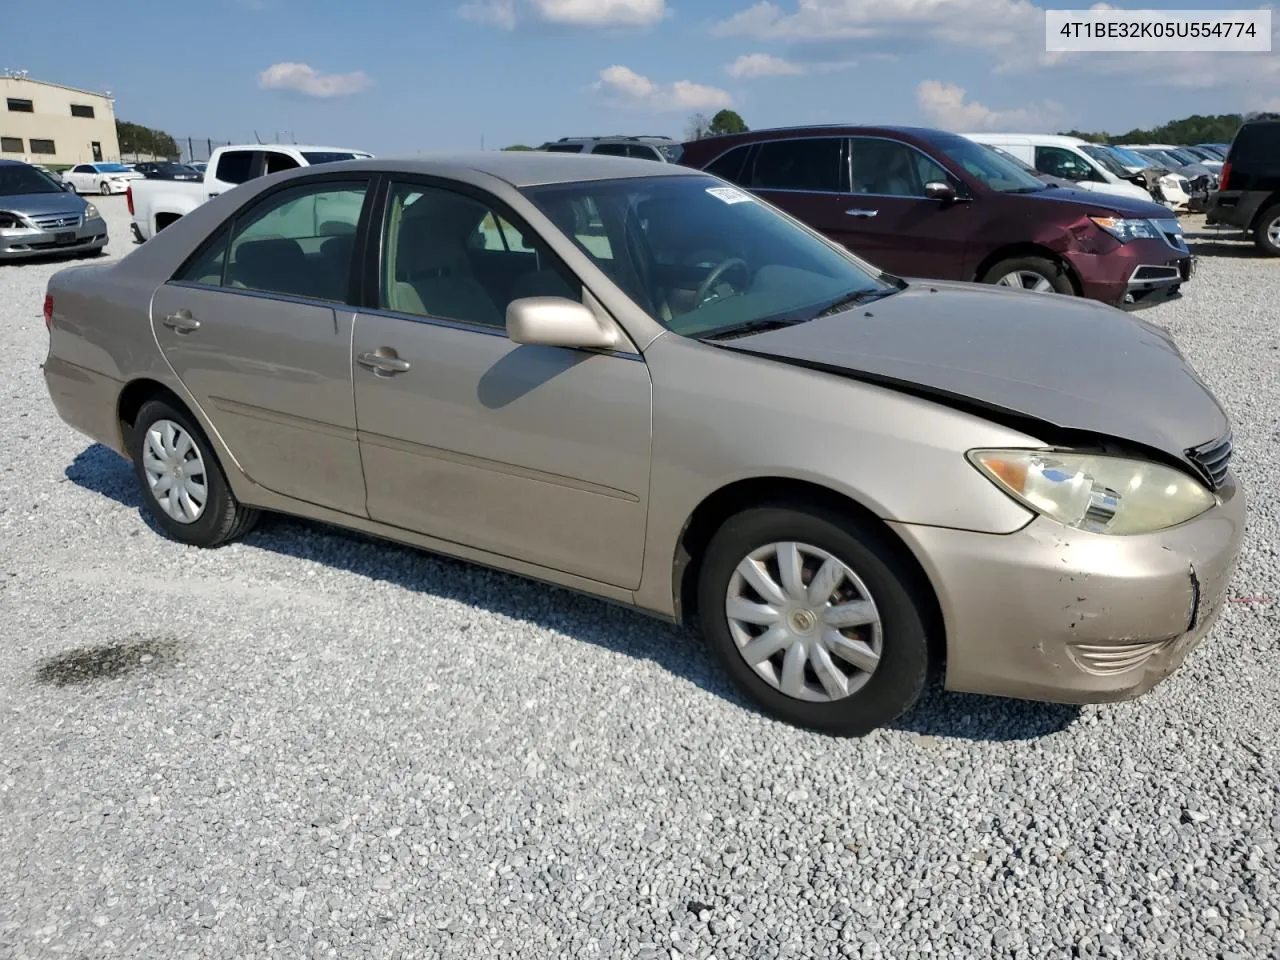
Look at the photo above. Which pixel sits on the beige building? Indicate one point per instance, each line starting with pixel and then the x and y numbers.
pixel 53 125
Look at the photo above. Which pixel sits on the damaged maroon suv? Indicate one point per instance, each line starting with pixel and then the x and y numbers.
pixel 925 203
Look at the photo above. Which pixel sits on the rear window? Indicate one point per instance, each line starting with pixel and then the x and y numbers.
pixel 563 148
pixel 315 157
pixel 1257 146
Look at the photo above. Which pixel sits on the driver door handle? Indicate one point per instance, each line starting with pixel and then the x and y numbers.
pixel 862 213
pixel 181 321
pixel 383 364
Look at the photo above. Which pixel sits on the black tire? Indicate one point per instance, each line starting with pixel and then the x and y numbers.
pixel 897 681
pixel 224 518
pixel 1268 226
pixel 104 188
pixel 1052 272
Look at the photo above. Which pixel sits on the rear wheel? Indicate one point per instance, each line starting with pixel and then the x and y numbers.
pixel 182 483
pixel 813 616
pixel 1030 273
pixel 1267 236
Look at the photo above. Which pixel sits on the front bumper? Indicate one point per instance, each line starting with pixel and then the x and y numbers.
pixel 20 244
pixel 1134 275
pixel 1051 613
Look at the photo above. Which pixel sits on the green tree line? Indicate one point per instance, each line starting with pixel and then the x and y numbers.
pixel 135 138
pixel 1219 128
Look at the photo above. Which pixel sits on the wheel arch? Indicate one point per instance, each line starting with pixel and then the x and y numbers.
pixel 733 498
pixel 1028 249
pixel 134 396
pixel 1265 207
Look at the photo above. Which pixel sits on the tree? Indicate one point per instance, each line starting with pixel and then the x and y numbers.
pixel 518 146
pixel 726 121
pixel 697 127
pixel 1194 129
pixel 135 138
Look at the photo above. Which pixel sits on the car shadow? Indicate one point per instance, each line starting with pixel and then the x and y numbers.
pixel 680 652
pixel 1207 242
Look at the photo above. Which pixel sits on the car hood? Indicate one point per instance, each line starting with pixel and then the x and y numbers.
pixel 1079 366
pixel 43 204
pixel 1104 204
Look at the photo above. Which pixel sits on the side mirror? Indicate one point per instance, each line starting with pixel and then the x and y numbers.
pixel 558 322
pixel 939 190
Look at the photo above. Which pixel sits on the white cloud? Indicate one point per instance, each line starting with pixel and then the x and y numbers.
pixel 945 105
pixel 752 65
pixel 629 88
pixel 304 79
pixel 508 14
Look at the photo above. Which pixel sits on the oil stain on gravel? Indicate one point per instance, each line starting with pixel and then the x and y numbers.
pixel 110 661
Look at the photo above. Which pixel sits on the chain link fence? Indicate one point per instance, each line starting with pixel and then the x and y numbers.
pixel 197 149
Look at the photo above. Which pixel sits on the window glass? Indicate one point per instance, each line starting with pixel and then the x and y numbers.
pixel 994 171
pixel 641 152
pixel 42 146
pixel 563 148
pixel 299 242
pixel 18 105
pixel 700 257
pixel 611 149
pixel 206 268
pixel 891 169
pixel 17 179
pixel 315 158
pixel 439 259
pixel 807 164
pixel 235 166
pixel 1059 162
pixel 276 162
pixel 729 166
pixel 82 110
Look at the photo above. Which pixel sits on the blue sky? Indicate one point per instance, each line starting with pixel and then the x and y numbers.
pixel 395 76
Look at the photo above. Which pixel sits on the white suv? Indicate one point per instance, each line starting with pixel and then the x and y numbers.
pixel 662 149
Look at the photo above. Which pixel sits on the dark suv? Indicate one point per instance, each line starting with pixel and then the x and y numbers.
pixel 924 203
pixel 1248 194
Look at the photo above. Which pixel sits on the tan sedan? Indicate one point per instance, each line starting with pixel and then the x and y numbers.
pixel 640 382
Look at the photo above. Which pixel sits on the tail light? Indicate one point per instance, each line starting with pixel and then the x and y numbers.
pixel 48 311
pixel 1226 173
pixel 128 199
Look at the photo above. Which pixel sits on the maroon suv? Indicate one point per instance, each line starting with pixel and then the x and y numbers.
pixel 925 203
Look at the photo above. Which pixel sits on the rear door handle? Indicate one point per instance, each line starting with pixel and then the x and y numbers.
pixel 386 364
pixel 862 213
pixel 181 321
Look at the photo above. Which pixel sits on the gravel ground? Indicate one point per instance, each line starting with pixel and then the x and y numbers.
pixel 311 744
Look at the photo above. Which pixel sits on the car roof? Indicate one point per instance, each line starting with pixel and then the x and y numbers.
pixel 1048 139
pixel 522 168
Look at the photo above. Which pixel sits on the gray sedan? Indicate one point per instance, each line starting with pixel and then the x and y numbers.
pixel 641 382
pixel 40 217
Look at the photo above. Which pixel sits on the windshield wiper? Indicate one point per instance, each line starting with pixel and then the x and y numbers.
pixel 849 299
pixel 744 329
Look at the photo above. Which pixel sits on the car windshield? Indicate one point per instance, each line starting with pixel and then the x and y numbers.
pixel 315 157
pixel 19 180
pixel 1129 157
pixel 1183 156
pixel 1105 158
pixel 112 168
pixel 995 172
pixel 1164 157
pixel 705 259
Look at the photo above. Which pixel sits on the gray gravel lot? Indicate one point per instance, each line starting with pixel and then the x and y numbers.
pixel 311 744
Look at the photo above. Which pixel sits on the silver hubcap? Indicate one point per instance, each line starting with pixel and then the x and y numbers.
pixel 804 621
pixel 175 471
pixel 1026 280
pixel 1273 232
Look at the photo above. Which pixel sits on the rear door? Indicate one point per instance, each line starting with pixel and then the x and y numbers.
pixel 806 176
pixel 888 219
pixel 257 327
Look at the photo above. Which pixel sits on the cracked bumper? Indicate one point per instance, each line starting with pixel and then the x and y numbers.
pixel 1050 613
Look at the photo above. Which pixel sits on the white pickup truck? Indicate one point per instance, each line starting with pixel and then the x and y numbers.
pixel 154 204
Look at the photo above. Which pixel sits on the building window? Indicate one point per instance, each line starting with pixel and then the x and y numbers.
pixel 82 110
pixel 21 106
pixel 11 145
pixel 43 146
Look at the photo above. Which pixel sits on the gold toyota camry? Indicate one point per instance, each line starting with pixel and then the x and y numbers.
pixel 640 382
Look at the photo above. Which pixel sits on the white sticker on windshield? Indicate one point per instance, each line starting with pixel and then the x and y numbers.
pixel 729 194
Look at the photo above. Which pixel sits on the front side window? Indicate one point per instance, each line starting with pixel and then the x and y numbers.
pixel 992 170
pixel 702 258
pixel 891 169
pixel 299 242
pixel 812 164
pixel 433 265
pixel 235 166
pixel 277 162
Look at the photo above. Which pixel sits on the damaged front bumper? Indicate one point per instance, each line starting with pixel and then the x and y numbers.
pixel 1052 613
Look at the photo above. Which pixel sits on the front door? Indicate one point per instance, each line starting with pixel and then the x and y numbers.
pixel 96 147
pixel 888 219
pixel 257 330
pixel 540 454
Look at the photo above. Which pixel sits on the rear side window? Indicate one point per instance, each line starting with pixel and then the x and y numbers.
pixel 811 164
pixel 235 166
pixel 611 149
pixel 564 148
pixel 729 165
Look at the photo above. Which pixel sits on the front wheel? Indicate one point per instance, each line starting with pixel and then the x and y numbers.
pixel 1267 236
pixel 105 188
pixel 1030 273
pixel 813 616
pixel 182 483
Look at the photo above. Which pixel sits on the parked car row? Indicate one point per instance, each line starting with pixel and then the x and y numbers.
pixel 40 215
pixel 640 381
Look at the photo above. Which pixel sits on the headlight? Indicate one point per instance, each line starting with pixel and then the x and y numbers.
pixel 91 212
pixel 11 221
pixel 1098 494
pixel 1126 230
